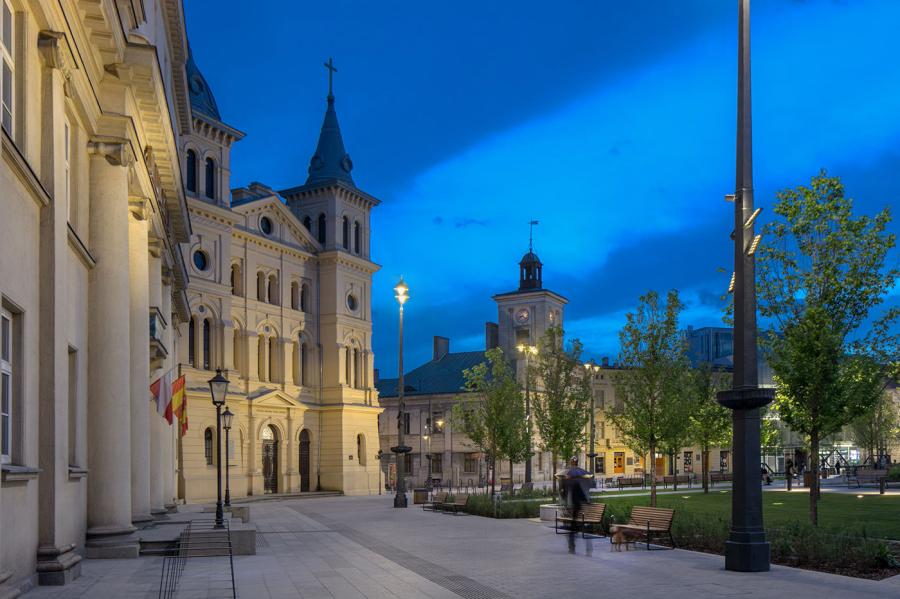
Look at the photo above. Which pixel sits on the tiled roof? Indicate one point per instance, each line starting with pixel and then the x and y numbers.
pixel 435 377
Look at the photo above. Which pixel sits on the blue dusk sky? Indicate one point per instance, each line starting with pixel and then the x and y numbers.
pixel 612 123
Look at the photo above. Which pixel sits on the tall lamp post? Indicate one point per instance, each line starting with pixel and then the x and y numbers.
pixel 427 438
pixel 746 549
pixel 401 292
pixel 218 388
pixel 527 351
pixel 592 369
pixel 227 416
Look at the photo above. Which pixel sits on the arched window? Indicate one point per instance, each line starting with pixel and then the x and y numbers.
pixel 356 368
pixel 210 178
pixel 206 345
pixel 345 229
pixel 273 290
pixel 192 343
pixel 304 298
pixel 238 349
pixel 295 295
pixel 307 222
pixel 208 445
pixel 295 366
pixel 190 174
pixel 361 449
pixel 237 282
pixel 273 370
pixel 348 367
pixel 356 234
pixel 261 286
pixel 303 364
pixel 322 225
pixel 262 368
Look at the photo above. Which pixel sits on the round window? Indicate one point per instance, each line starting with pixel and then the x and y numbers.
pixel 265 225
pixel 351 303
pixel 200 260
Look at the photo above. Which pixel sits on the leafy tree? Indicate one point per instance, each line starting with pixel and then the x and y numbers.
pixel 822 274
pixel 710 422
pixel 879 428
pixel 561 405
pixel 651 380
pixel 495 421
pixel 769 431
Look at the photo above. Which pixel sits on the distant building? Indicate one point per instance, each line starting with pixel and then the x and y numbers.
pixel 715 346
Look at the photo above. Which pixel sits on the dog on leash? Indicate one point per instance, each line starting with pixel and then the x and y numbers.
pixel 623 536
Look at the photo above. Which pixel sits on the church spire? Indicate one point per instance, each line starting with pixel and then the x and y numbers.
pixel 331 161
pixel 530 266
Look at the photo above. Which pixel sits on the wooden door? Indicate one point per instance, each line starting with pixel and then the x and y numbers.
pixel 270 466
pixel 619 462
pixel 304 461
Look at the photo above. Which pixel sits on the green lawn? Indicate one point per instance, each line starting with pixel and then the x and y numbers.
pixel 878 515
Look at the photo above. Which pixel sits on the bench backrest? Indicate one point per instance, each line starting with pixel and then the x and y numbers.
pixel 505 488
pixel 527 487
pixel 593 511
pixel 657 517
pixel 461 499
pixel 631 480
pixel 871 473
pixel 441 497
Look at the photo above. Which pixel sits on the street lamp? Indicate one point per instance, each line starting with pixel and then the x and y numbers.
pixel 527 351
pixel 401 292
pixel 227 416
pixel 746 549
pixel 592 369
pixel 218 388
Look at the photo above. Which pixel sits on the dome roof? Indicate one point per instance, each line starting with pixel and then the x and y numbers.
pixel 202 99
pixel 530 258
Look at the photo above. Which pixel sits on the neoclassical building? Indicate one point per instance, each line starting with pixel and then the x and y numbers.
pixel 92 281
pixel 280 300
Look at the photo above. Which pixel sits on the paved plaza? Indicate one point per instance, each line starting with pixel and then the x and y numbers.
pixel 360 547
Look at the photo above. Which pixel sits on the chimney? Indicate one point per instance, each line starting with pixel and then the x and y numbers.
pixel 491 335
pixel 441 348
pixel 605 362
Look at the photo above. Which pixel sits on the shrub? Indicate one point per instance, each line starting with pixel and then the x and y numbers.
pixel 894 473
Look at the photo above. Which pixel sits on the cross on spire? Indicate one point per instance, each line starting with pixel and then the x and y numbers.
pixel 331 71
pixel 531 225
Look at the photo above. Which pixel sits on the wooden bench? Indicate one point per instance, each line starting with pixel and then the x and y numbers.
pixel 589 521
pixel 654 522
pixel 630 481
pixel 527 487
pixel 866 476
pixel 506 488
pixel 718 477
pixel 437 500
pixel 460 500
pixel 677 479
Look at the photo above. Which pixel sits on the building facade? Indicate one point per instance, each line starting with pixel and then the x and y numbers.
pixel 92 283
pixel 280 301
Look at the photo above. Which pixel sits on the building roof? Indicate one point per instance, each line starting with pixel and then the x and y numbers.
pixel 443 376
pixel 331 162
pixel 202 99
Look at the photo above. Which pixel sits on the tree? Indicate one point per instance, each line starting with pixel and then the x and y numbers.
pixel 561 405
pixel 495 420
pixel 651 380
pixel 822 274
pixel 769 431
pixel 879 428
pixel 710 422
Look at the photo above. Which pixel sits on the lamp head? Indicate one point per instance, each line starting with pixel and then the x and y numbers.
pixel 227 416
pixel 218 387
pixel 401 291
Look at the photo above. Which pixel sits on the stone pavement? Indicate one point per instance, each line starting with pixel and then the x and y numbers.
pixel 361 547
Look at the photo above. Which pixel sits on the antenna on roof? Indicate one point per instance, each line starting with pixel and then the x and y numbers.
pixel 531 225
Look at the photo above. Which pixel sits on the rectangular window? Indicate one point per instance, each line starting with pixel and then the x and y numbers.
pixel 723 461
pixel 601 399
pixel 6 386
pixel 687 463
pixel 437 463
pixel 67 177
pixel 73 407
pixel 437 421
pixel 406 423
pixel 470 464
pixel 600 463
pixel 8 68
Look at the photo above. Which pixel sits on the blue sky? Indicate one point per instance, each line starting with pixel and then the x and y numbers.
pixel 610 122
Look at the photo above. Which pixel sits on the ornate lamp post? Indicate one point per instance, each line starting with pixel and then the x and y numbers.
pixel 592 369
pixel 746 549
pixel 401 292
pixel 227 416
pixel 427 438
pixel 218 388
pixel 527 351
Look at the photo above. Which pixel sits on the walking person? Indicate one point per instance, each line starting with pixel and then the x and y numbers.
pixel 789 473
pixel 574 481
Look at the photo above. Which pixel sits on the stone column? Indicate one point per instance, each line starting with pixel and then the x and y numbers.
pixel 109 368
pixel 157 425
pixel 139 308
pixel 287 364
pixel 253 471
pixel 291 473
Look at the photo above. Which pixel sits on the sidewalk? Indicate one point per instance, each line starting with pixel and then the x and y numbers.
pixel 361 547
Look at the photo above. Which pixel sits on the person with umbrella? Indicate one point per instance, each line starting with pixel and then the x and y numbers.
pixel 574 484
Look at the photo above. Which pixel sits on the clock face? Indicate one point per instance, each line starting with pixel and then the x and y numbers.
pixel 522 315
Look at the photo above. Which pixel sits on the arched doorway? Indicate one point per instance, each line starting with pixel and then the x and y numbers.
pixel 270 459
pixel 304 461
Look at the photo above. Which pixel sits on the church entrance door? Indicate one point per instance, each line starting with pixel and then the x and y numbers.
pixel 304 461
pixel 269 460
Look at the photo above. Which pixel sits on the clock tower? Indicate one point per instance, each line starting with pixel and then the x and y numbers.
pixel 525 314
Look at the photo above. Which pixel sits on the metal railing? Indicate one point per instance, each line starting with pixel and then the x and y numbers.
pixel 199 538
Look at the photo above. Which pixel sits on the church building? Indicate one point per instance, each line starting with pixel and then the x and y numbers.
pixel 280 301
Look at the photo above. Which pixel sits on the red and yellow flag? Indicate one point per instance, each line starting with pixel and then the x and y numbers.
pixel 179 403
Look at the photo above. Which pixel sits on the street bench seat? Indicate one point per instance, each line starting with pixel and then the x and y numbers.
pixel 677 479
pixel 630 481
pixel 437 500
pixel 653 522
pixel 719 477
pixel 866 477
pixel 460 500
pixel 588 522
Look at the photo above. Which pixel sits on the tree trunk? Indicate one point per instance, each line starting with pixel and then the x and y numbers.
pixel 814 479
pixel 510 476
pixel 704 467
pixel 553 471
pixel 652 474
pixel 493 475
